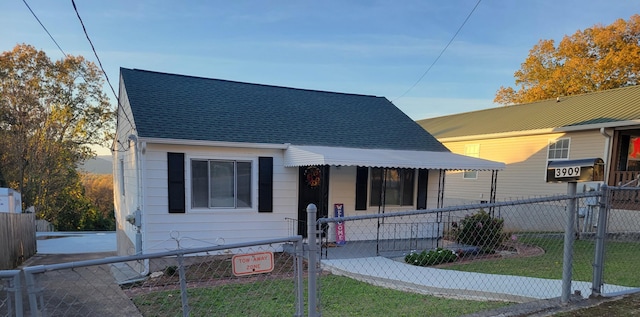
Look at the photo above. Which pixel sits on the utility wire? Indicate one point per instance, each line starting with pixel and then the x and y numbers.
pixel 441 52
pixel 45 29
pixel 65 54
pixel 94 51
pixel 84 29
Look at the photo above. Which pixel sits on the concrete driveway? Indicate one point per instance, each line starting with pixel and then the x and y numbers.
pixel 76 242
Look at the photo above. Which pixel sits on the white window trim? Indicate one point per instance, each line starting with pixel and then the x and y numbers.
pixel 547 160
pixel 209 210
pixel 551 141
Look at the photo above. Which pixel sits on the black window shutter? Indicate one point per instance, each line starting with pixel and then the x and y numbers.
pixel 423 177
pixel 175 168
pixel 362 174
pixel 265 184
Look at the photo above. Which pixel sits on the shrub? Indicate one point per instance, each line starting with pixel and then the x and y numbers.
pixel 480 229
pixel 432 257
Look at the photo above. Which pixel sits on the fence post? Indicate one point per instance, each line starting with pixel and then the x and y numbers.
pixel 598 262
pixel 567 261
pixel 183 286
pixel 299 257
pixel 313 248
pixel 34 291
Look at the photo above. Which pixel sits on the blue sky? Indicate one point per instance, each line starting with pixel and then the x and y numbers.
pixel 366 47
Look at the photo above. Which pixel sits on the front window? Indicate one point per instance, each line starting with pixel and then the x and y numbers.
pixel 558 149
pixel 397 183
pixel 220 184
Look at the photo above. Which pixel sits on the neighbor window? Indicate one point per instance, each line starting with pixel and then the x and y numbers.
pixel 397 183
pixel 122 176
pixel 220 184
pixel 558 149
pixel 472 150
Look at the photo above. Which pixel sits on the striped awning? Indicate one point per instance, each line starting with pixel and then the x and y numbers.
pixel 296 155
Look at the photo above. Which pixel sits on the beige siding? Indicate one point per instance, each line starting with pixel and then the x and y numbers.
pixel 526 161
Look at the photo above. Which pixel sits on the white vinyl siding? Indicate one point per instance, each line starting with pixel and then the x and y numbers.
pixel 199 227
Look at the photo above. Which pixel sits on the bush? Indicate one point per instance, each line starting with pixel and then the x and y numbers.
pixel 432 257
pixel 480 229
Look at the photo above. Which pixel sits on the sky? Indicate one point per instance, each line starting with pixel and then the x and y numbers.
pixel 381 48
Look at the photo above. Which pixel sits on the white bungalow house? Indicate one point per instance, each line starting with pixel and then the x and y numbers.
pixel 527 137
pixel 212 161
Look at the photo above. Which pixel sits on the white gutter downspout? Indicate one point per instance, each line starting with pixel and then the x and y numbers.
pixel 607 144
pixel 138 212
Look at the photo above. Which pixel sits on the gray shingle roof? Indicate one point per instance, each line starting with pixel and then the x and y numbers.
pixel 615 105
pixel 194 108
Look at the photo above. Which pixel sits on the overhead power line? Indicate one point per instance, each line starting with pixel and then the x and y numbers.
pixel 84 29
pixel 441 52
pixel 45 29
pixel 94 51
pixel 92 47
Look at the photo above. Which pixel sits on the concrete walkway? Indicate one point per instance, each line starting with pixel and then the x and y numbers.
pixel 81 291
pixel 396 274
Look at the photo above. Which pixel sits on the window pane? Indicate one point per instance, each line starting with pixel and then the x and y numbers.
pixel 559 149
pixel 222 191
pixel 376 184
pixel 199 184
pixel 392 192
pixel 244 184
pixel 470 174
pixel 407 187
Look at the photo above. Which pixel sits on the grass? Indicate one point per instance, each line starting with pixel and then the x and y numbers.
pixel 621 260
pixel 341 296
pixel 344 297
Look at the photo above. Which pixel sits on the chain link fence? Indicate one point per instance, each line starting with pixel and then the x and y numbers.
pixel 512 251
pixel 263 278
pixel 449 261
pixel 622 237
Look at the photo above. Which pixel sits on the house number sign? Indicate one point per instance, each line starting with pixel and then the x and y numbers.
pixel 572 171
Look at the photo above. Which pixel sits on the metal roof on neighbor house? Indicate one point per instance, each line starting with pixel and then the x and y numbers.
pixel 178 107
pixel 604 108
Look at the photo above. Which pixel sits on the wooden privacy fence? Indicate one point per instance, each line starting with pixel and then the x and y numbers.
pixel 17 238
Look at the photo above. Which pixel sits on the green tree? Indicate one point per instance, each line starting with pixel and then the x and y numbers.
pixel 98 188
pixel 50 114
pixel 594 59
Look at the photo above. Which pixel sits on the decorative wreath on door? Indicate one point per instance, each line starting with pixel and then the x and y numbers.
pixel 312 175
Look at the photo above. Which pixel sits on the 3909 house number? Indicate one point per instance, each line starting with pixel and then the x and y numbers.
pixel 571 171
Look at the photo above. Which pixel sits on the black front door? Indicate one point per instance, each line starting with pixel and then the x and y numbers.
pixel 313 188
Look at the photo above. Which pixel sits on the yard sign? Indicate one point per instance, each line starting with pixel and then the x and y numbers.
pixel 340 229
pixel 252 263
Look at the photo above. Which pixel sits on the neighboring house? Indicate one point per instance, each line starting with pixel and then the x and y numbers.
pixel 216 161
pixel 526 137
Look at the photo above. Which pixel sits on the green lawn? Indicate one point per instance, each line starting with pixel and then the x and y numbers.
pixel 343 297
pixel 621 262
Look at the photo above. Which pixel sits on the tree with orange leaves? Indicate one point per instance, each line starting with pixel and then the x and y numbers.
pixel 597 58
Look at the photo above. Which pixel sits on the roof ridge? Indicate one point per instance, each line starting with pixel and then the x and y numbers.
pixel 248 83
pixel 533 103
pixel 578 95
